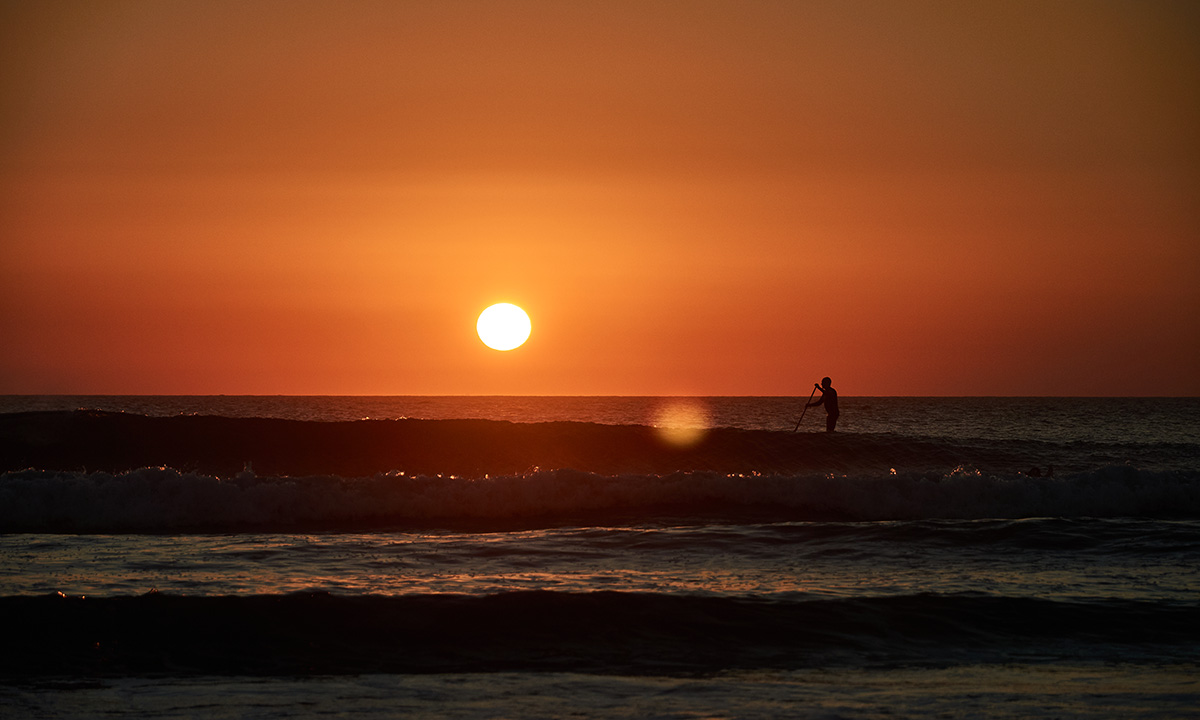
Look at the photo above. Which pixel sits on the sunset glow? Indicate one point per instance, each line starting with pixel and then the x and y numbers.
pixel 709 198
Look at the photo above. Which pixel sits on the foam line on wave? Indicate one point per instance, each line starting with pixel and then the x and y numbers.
pixel 167 500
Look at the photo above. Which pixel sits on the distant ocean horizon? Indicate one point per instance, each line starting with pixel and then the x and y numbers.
pixel 483 555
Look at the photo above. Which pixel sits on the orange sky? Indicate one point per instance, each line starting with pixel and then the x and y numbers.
pixel 725 198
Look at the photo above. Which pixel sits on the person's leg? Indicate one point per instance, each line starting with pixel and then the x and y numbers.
pixel 830 422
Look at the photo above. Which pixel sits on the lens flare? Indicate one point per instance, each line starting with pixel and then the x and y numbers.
pixel 682 422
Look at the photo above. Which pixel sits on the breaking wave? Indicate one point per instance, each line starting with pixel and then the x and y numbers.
pixel 97 471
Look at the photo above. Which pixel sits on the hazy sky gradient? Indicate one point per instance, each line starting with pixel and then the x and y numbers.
pixel 688 198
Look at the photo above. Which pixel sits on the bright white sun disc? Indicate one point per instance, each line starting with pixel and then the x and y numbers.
pixel 503 326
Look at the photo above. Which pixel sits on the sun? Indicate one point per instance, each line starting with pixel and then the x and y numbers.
pixel 503 326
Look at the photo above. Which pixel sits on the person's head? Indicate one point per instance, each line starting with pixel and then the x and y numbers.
pixel 826 382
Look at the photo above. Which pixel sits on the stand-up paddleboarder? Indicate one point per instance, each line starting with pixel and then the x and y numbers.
pixel 829 400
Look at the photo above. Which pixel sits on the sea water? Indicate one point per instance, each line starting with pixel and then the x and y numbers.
pixel 615 557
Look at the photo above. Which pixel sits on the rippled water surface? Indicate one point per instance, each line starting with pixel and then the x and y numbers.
pixel 1047 558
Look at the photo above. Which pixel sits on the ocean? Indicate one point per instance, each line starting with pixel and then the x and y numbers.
pixel 669 557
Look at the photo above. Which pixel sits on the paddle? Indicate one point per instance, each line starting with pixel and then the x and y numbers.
pixel 810 397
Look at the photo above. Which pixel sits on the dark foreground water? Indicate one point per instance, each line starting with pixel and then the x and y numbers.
pixel 621 557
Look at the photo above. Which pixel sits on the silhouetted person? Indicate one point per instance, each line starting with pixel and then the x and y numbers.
pixel 829 400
